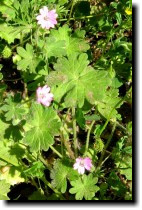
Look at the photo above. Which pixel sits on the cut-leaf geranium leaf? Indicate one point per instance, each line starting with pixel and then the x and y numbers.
pixel 6 154
pixel 13 109
pixel 84 187
pixel 74 43
pixel 4 189
pixel 62 171
pixel 76 81
pixel 109 102
pixel 43 125
pixel 29 60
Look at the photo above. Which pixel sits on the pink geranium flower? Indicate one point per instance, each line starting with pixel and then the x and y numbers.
pixel 82 164
pixel 47 18
pixel 44 96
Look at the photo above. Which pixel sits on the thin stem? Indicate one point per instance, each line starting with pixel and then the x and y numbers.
pixel 50 186
pixel 71 10
pixel 121 126
pixel 119 102
pixel 106 145
pixel 44 161
pixel 62 147
pixel 54 150
pixel 21 38
pixel 74 132
pixel 105 159
pixel 88 137
pixel 12 80
pixel 81 18
pixel 66 143
pixel 109 116
pixel 76 18
pixel 20 44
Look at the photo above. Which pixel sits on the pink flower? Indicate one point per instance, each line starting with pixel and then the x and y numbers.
pixel 43 95
pixel 47 19
pixel 82 164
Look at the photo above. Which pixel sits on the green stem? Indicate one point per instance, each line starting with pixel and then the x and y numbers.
pixel 21 38
pixel 74 132
pixel 106 145
pixel 44 161
pixel 76 18
pixel 66 143
pixel 119 102
pixel 12 80
pixel 109 116
pixel 62 147
pixel 121 126
pixel 55 151
pixel 81 18
pixel 88 137
pixel 20 43
pixel 71 10
pixel 50 186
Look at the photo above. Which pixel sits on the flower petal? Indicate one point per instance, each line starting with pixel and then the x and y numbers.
pixel 81 170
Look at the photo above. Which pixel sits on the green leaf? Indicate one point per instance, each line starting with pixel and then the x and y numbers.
pixel 29 60
pixel 126 166
pixel 73 42
pixel 4 189
pixel 1 76
pixel 116 185
pixel 36 170
pixel 37 195
pixel 92 117
pixel 5 154
pixel 3 127
pixel 80 118
pixel 99 145
pixel 62 171
pixel 43 125
pixel 9 33
pixel 52 47
pixel 12 175
pixel 108 103
pixel 77 81
pixel 118 18
pixel 84 187
pixel 13 109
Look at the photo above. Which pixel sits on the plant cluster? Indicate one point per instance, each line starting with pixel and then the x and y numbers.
pixel 65 100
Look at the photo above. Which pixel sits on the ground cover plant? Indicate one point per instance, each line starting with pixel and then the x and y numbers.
pixel 65 100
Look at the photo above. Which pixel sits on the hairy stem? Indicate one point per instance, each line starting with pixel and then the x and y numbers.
pixel 67 146
pixel 74 132
pixel 55 151
pixel 108 119
pixel 106 145
pixel 109 116
pixel 88 137
pixel 71 10
pixel 44 161
pixel 55 190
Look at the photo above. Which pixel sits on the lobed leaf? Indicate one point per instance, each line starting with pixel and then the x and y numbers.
pixel 84 187
pixel 76 81
pixel 44 125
